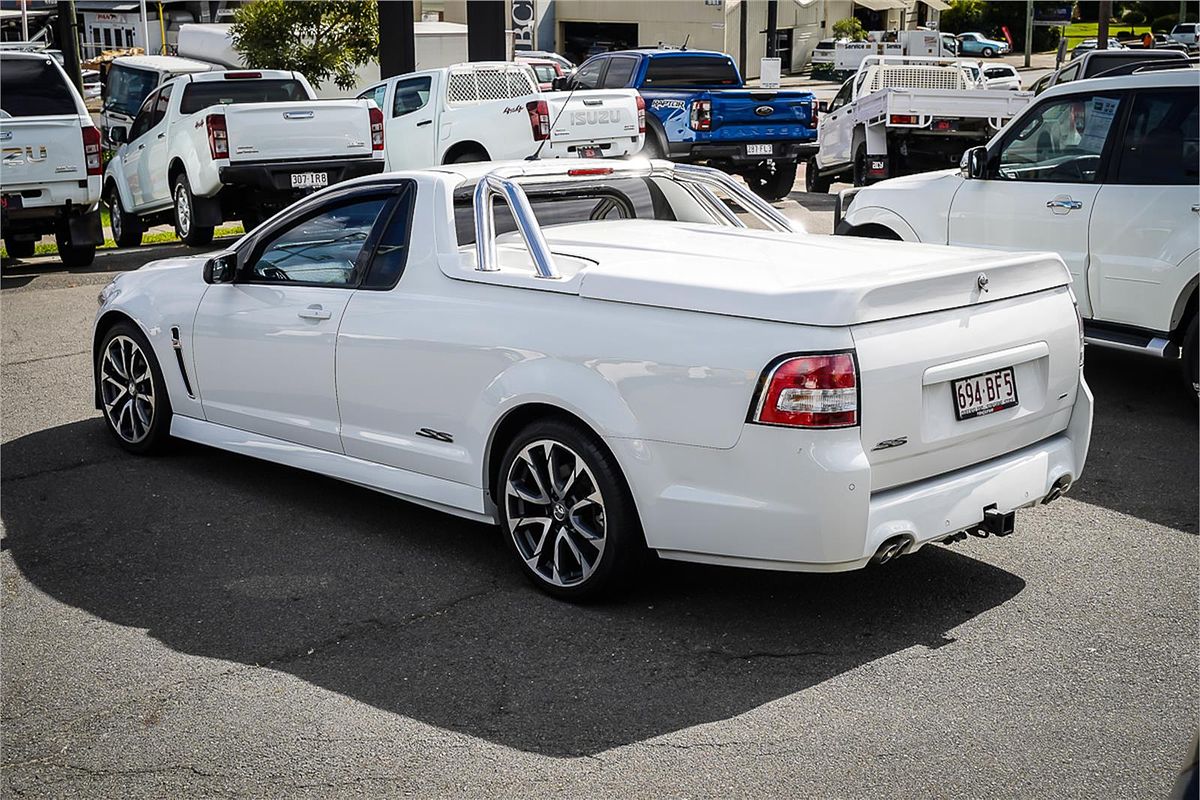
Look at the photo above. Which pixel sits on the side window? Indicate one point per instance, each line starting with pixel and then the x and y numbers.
pixel 620 70
pixel 588 76
pixel 1161 146
pixel 411 95
pixel 376 93
pixel 145 118
pixel 391 254
pixel 843 96
pixel 161 102
pixel 323 249
pixel 1060 141
pixel 1068 74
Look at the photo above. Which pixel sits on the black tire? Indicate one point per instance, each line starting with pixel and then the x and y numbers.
pixel 251 220
pixel 987 52
pixel 860 165
pixel 652 148
pixel 186 229
pixel 814 181
pixel 74 255
pixel 126 228
pixel 1190 368
pixel 469 157
pixel 873 232
pixel 773 180
pixel 19 248
pixel 623 546
pixel 114 401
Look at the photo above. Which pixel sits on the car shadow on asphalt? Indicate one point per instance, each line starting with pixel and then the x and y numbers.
pixel 425 615
pixel 1144 458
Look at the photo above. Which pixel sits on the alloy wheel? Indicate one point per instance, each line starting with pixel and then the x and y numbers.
pixel 555 513
pixel 183 210
pixel 127 389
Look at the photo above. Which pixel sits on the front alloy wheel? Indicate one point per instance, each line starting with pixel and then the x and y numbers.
pixel 132 395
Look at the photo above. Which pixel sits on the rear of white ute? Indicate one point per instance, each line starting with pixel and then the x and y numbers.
pixel 951 398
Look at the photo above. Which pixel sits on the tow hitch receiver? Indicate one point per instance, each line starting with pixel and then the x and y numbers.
pixel 997 523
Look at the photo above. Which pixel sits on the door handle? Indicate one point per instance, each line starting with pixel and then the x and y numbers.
pixel 314 312
pixel 424 122
pixel 1196 207
pixel 141 147
pixel 162 135
pixel 1064 203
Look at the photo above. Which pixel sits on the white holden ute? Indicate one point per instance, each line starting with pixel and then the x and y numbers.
pixel 605 357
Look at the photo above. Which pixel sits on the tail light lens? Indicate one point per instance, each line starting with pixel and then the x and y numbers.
pixel 539 119
pixel 813 115
pixel 641 114
pixel 376 128
pixel 701 115
pixel 812 391
pixel 904 119
pixel 91 150
pixel 218 136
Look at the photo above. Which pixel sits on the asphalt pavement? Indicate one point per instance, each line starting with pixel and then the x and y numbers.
pixel 203 625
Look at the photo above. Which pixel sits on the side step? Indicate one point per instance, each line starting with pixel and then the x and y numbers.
pixel 1146 343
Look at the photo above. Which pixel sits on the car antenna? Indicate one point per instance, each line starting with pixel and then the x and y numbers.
pixel 549 133
pixel 686 39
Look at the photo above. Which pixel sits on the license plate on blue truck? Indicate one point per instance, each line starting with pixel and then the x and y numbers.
pixel 760 149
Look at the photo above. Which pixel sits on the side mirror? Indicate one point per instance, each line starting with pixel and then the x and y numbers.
pixel 118 134
pixel 974 163
pixel 823 106
pixel 220 269
pixel 559 84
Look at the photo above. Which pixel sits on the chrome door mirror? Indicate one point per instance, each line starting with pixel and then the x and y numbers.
pixel 220 269
pixel 974 163
pixel 559 84
pixel 118 134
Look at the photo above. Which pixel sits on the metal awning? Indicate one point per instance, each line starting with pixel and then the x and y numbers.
pixel 936 5
pixel 105 7
pixel 881 5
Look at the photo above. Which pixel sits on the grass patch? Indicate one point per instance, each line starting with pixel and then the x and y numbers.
pixel 159 237
pixel 1076 33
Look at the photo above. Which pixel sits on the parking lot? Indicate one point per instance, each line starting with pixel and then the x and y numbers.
pixel 203 624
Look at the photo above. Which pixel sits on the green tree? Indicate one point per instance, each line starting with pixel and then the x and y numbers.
pixel 321 40
pixel 849 28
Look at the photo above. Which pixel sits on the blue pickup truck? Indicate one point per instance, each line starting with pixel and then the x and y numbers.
pixel 700 111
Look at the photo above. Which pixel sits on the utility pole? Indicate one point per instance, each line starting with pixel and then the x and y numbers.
pixel 145 28
pixel 772 26
pixel 1102 26
pixel 1028 33
pixel 742 38
pixel 68 42
pixel 397 42
pixel 485 30
pixel 1183 10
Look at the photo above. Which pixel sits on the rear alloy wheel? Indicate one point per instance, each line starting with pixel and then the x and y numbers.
pixel 19 248
pixel 773 180
pixel 133 396
pixel 193 235
pixel 74 255
pixel 126 228
pixel 814 182
pixel 567 513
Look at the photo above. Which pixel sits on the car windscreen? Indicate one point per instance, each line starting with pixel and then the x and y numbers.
pixel 202 94
pixel 34 87
pixel 691 71
pixel 128 88
pixel 545 73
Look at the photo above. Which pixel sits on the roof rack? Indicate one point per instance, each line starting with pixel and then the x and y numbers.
pixel 505 182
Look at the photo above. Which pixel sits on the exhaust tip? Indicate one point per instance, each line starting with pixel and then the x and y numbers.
pixel 895 546
pixel 1060 487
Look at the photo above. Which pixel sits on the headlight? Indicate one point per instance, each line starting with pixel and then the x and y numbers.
pixel 108 293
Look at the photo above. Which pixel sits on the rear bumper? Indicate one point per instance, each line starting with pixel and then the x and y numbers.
pixel 605 148
pixel 736 151
pixel 81 222
pixel 276 177
pixel 802 500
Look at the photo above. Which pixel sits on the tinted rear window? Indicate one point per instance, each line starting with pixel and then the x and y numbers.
pixel 1106 62
pixel 33 87
pixel 202 94
pixel 691 71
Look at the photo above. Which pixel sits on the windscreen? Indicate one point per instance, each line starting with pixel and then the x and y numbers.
pixel 691 71
pixel 128 88
pixel 202 94
pixel 34 87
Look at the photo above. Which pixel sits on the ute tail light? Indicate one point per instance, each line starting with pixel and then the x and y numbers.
pixel 701 115
pixel 905 119
pixel 376 117
pixel 91 150
pixel 809 391
pixel 218 136
pixel 539 119
pixel 641 114
pixel 813 115
pixel 584 171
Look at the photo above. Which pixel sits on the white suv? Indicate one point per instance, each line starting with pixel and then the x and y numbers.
pixel 1104 172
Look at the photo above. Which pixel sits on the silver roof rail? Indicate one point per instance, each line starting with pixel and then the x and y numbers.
pixel 505 182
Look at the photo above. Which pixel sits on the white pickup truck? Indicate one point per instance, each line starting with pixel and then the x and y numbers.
pixel 50 167
pixel 490 111
pixel 225 145
pixel 899 115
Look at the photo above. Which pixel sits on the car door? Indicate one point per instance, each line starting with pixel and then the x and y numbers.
pixel 134 151
pixel 264 345
pixel 152 166
pixel 1042 182
pixel 836 131
pixel 1144 229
